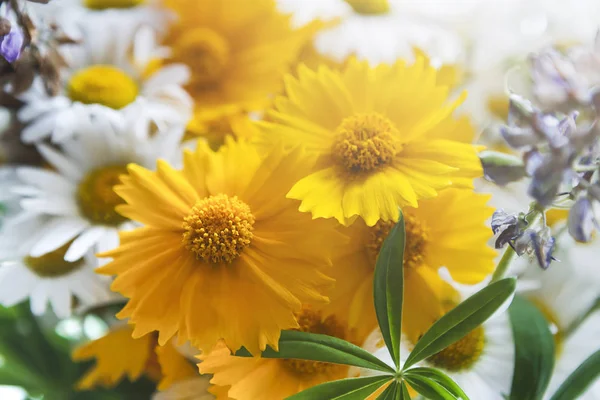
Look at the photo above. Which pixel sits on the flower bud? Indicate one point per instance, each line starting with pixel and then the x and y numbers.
pixel 581 220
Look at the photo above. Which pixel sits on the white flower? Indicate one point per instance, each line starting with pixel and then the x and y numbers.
pixel 378 38
pixel 189 389
pixel 108 74
pixel 77 202
pixel 47 279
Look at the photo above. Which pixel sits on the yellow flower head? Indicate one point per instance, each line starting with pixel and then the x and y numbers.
pixel 237 51
pixel 383 137
pixel 262 378
pixel 118 355
pixel 448 230
pixel 223 253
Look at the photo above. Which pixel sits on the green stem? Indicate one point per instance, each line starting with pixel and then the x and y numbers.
pixel 503 265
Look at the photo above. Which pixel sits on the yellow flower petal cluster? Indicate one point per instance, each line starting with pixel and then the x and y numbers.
pixel 381 137
pixel 222 253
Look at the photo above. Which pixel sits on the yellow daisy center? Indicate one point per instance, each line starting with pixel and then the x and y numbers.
pixel 104 4
pixel 313 322
pixel 53 264
pixel 365 142
pixel 416 241
pixel 206 52
pixel 461 354
pixel 96 197
pixel 103 84
pixel 218 229
pixel 370 7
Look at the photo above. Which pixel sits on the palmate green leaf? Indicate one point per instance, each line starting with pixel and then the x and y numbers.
pixel 429 388
pixel 404 395
pixel 577 383
pixel 534 351
pixel 461 320
pixel 344 389
pixel 317 347
pixel 391 392
pixel 388 288
pixel 439 377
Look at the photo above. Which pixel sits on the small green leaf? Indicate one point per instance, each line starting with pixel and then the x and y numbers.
pixel 388 288
pixel 390 392
pixel 577 383
pixel 534 351
pixel 316 347
pixel 462 319
pixel 429 388
pixel 343 389
pixel 404 395
pixel 441 378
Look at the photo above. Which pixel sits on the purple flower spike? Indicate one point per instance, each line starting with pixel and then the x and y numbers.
pixel 11 44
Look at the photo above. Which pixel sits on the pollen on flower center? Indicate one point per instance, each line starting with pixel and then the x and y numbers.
pixel 218 229
pixel 415 245
pixel 461 354
pixel 365 142
pixel 97 199
pixel 370 7
pixel 53 264
pixel 206 53
pixel 104 4
pixel 313 322
pixel 102 84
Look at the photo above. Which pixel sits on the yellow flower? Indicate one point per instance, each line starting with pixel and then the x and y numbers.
pixel 448 230
pixel 237 50
pixel 262 378
pixel 223 253
pixel 118 355
pixel 383 137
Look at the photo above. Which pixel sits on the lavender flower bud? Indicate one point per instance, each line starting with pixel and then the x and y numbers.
pixel 501 168
pixel 11 44
pixel 581 220
pixel 546 181
pixel 543 247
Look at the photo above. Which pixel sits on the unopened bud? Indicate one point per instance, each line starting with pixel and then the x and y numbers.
pixel 501 168
pixel 581 220
pixel 5 26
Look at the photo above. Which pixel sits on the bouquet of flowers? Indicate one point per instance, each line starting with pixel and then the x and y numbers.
pixel 297 199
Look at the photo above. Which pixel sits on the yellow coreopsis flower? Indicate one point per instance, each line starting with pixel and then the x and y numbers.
pixel 118 355
pixel 237 50
pixel 263 378
pixel 383 137
pixel 220 239
pixel 446 231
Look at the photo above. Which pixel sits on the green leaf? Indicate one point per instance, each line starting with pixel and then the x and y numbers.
pixel 405 395
pixel 429 388
pixel 462 319
pixel 439 377
pixel 534 351
pixel 388 288
pixel 390 392
pixel 344 389
pixel 577 383
pixel 316 347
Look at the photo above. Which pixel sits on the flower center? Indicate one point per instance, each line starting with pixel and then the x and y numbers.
pixel 218 229
pixel 313 322
pixel 103 84
pixel 206 53
pixel 370 7
pixel 365 142
pixel 415 244
pixel 97 199
pixel 104 4
pixel 461 354
pixel 53 264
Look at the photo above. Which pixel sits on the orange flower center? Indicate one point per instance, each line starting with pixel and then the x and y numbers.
pixel 218 229
pixel 370 7
pixel 313 322
pixel 365 142
pixel 103 84
pixel 461 354
pixel 416 241
pixel 96 197
pixel 53 264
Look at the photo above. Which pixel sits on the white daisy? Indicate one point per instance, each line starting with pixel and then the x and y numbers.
pixel 374 30
pixel 107 74
pixel 481 363
pixel 189 389
pixel 77 202
pixel 47 279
